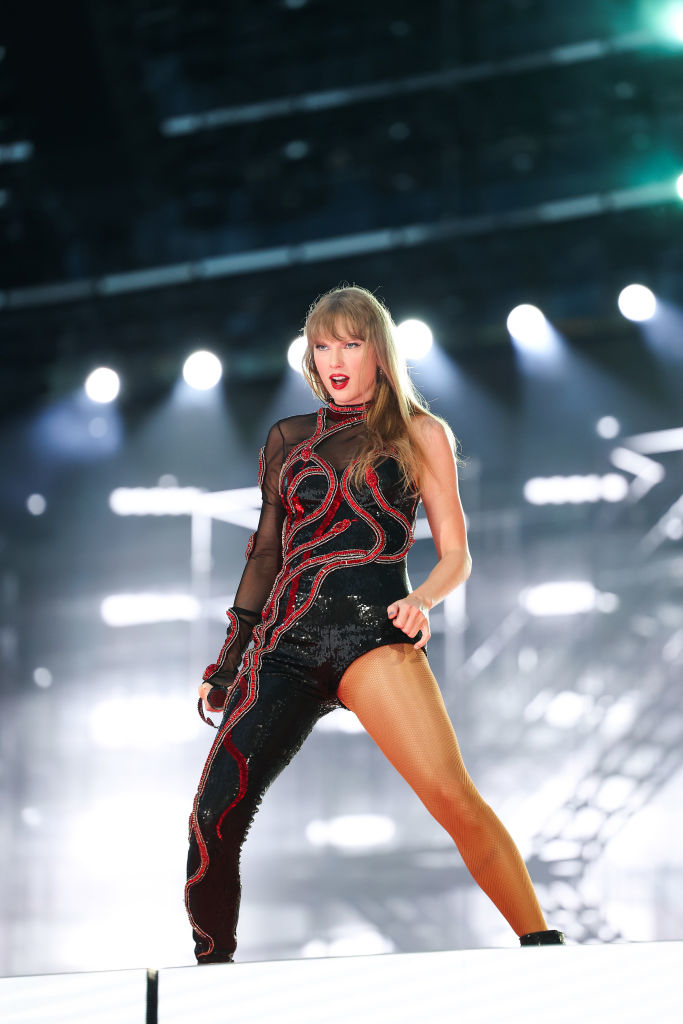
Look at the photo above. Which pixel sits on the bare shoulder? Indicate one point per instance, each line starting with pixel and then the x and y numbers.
pixel 436 441
pixel 428 428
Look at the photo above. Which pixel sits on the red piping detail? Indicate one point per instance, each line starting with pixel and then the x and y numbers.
pixel 244 778
pixel 233 633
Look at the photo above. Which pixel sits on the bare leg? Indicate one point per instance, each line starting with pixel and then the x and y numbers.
pixel 393 692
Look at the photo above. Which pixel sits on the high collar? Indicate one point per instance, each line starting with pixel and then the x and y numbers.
pixel 347 411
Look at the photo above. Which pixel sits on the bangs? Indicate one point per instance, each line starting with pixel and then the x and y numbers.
pixel 335 320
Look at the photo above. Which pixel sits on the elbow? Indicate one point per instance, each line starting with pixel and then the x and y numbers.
pixel 461 563
pixel 465 567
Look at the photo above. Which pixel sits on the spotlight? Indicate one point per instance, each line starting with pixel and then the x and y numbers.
pixel 202 370
pixel 102 385
pixel 675 21
pixel 575 490
pixel 679 185
pixel 42 677
pixel 529 327
pixel 295 353
pixel 608 426
pixel 352 831
pixel 636 302
pixel 565 598
pixel 36 504
pixel 135 609
pixel 414 339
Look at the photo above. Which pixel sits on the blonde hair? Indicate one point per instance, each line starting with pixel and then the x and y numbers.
pixel 350 310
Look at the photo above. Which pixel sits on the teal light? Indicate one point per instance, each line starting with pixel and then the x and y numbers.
pixel 674 20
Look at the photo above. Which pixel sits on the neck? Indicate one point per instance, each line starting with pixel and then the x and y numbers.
pixel 348 410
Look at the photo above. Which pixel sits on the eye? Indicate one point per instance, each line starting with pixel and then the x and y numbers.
pixel 353 344
pixel 319 345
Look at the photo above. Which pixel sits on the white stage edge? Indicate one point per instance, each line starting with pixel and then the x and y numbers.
pixel 100 997
pixel 625 983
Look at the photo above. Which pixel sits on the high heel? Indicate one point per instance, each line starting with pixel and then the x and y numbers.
pixel 549 937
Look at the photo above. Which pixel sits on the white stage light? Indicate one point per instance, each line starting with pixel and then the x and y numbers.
pixel 42 677
pixel 414 339
pixel 614 487
pixel 154 501
pixel 102 385
pixel 295 353
pixel 608 426
pixel 352 831
pixel 566 598
pixel 36 504
pixel 136 609
pixel 636 302
pixel 567 708
pixel 575 490
pixel 529 327
pixel 141 722
pixel 202 370
pixel 679 185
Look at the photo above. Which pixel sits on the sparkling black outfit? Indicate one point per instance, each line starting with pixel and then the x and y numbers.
pixel 322 567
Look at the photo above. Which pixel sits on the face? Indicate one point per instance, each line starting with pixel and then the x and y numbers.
pixel 347 368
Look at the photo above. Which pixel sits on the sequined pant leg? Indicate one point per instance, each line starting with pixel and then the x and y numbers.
pixel 272 717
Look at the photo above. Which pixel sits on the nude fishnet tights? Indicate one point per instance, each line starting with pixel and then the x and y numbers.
pixel 393 692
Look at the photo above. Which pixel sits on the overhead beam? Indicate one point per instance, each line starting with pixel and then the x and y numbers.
pixel 333 99
pixel 340 246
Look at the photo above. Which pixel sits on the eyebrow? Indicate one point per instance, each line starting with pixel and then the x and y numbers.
pixel 324 340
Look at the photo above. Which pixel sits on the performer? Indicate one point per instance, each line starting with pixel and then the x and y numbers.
pixel 327 605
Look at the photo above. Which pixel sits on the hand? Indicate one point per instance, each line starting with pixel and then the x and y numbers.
pixel 411 615
pixel 204 693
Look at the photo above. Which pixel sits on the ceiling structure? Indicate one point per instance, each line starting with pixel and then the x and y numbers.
pixel 174 172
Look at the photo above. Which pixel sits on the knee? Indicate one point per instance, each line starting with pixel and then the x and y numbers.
pixel 456 804
pixel 208 816
pixel 228 821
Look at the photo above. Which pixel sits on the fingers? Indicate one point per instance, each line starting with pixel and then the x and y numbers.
pixel 204 691
pixel 411 619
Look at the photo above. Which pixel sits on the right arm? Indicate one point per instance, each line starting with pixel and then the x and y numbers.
pixel 264 560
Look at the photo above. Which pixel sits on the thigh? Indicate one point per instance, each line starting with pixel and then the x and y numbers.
pixel 397 699
pixel 262 729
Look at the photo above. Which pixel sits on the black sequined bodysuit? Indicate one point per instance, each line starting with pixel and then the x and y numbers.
pixel 324 558
pixel 323 565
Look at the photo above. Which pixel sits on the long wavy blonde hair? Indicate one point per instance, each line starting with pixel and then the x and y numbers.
pixel 350 310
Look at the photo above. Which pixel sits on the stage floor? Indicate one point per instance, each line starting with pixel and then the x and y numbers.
pixel 625 982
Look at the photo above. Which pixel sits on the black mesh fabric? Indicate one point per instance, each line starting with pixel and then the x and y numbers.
pixel 264 551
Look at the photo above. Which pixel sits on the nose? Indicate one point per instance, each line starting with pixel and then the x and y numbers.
pixel 336 358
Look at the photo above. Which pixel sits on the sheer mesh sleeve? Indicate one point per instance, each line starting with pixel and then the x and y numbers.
pixel 264 560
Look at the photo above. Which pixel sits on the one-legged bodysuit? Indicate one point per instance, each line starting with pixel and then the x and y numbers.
pixel 321 569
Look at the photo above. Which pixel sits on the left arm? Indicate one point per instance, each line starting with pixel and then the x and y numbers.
pixel 441 500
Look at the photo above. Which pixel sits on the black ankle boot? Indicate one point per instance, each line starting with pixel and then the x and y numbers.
pixel 550 937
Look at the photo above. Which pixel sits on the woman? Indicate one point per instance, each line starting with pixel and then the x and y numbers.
pixel 326 599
